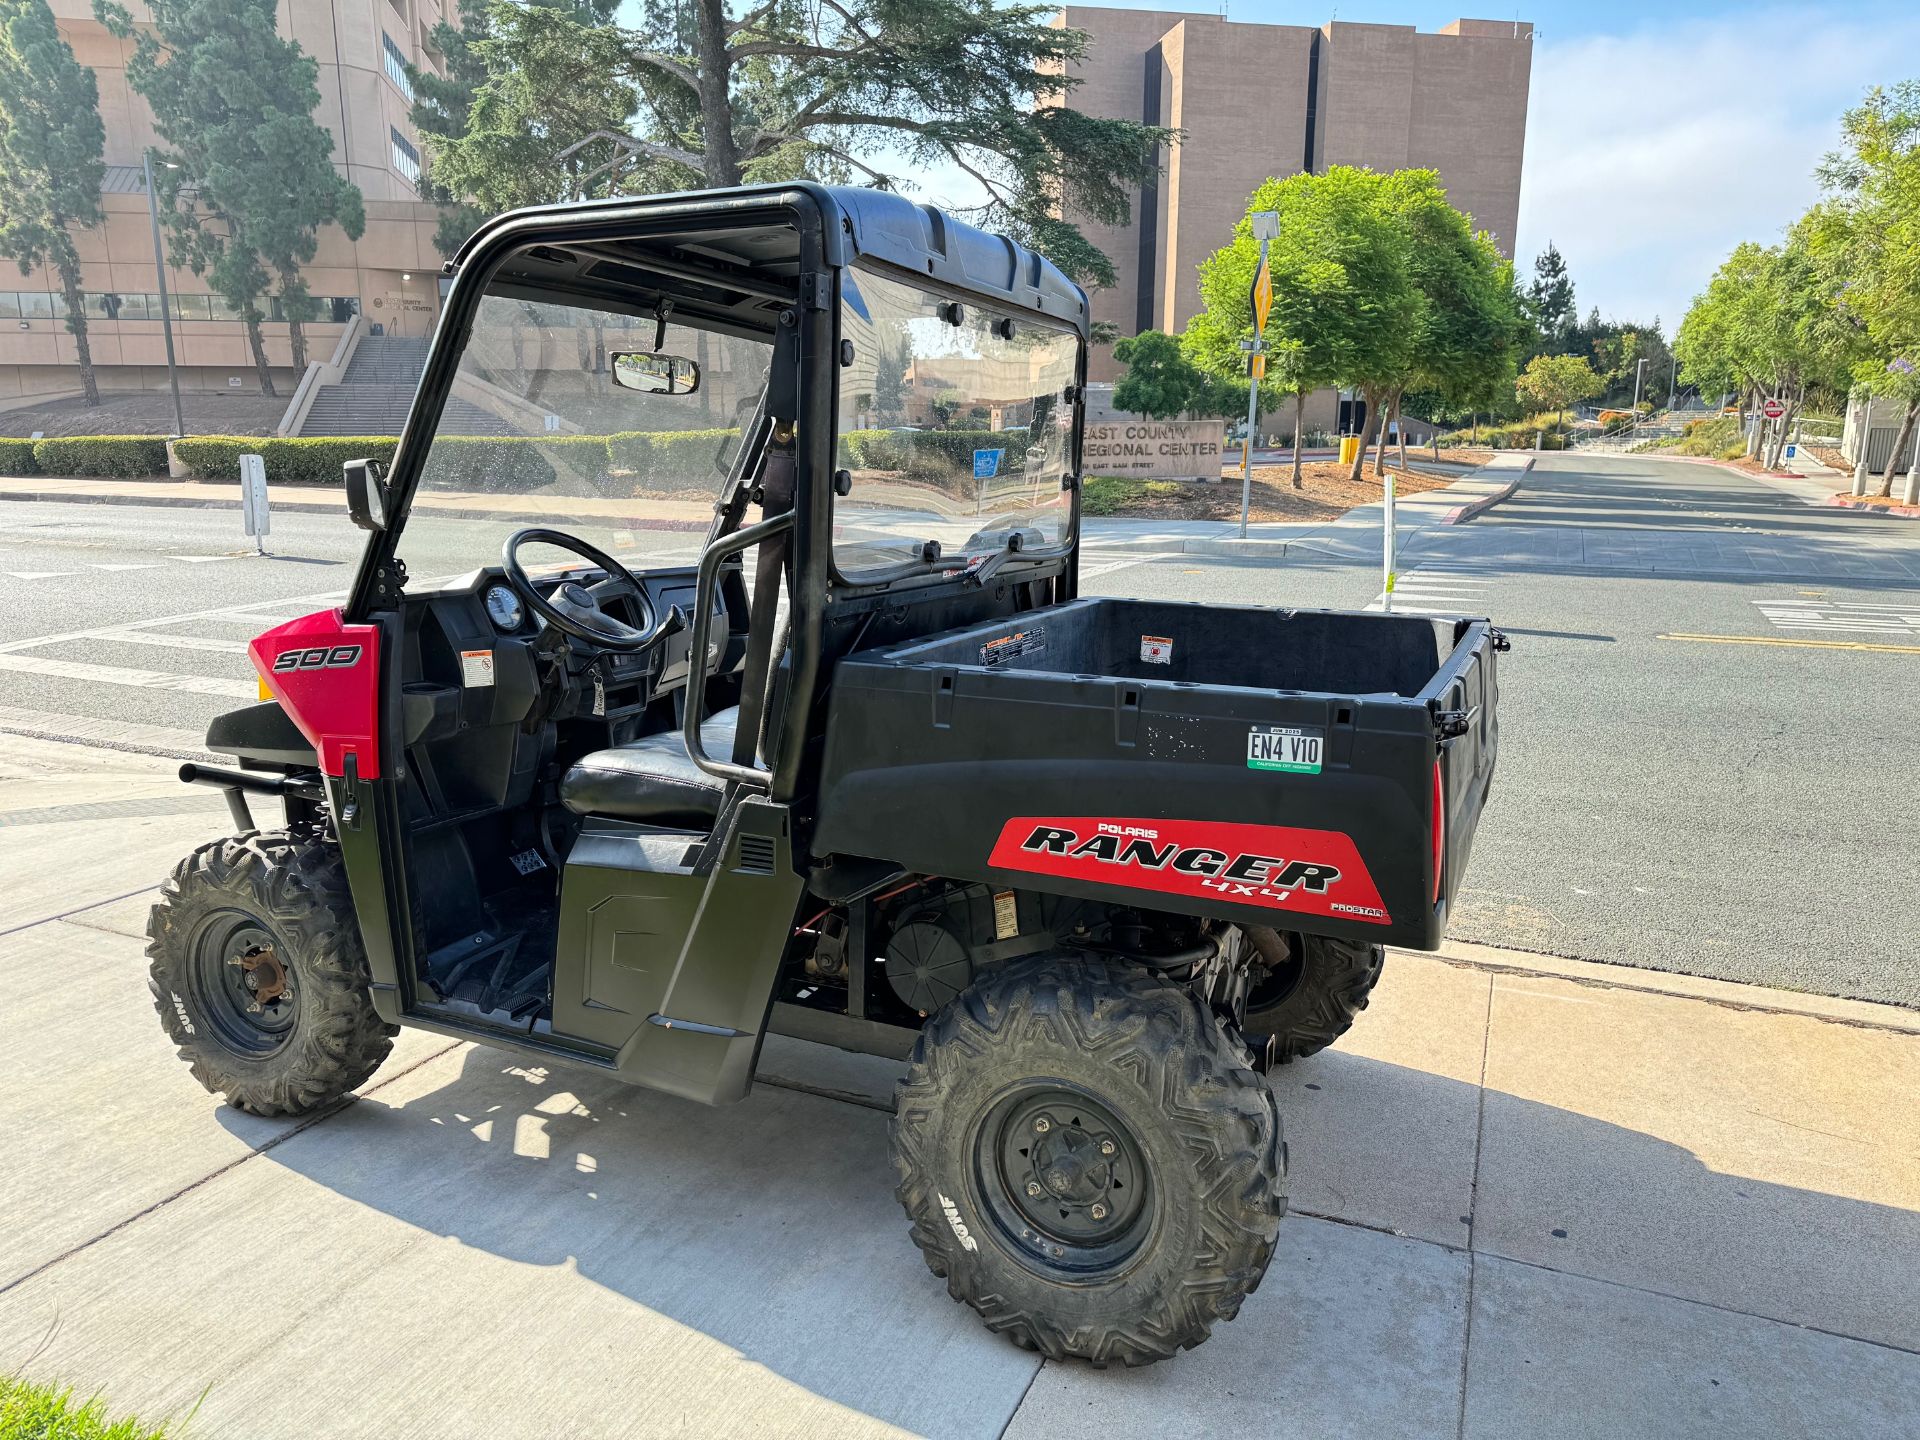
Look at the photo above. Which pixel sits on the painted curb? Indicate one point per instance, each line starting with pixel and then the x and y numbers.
pixel 1898 512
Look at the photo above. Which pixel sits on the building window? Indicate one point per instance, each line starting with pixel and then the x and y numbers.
pixel 396 62
pixel 406 159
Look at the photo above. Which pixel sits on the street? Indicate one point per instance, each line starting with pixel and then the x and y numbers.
pixel 1715 805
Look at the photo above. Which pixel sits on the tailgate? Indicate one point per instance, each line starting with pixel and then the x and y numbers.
pixel 1464 699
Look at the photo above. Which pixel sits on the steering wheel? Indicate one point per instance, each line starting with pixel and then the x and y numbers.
pixel 571 608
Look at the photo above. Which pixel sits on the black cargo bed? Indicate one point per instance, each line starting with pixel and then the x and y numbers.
pixel 1283 767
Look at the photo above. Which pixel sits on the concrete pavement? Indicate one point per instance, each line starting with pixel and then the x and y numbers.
pixel 1532 1198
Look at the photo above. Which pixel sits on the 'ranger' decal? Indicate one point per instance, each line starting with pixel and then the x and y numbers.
pixel 1315 872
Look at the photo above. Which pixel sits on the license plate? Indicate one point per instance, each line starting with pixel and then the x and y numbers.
pixel 1289 748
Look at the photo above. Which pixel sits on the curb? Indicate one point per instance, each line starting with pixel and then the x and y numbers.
pixel 1899 512
pixel 312 507
pixel 1473 509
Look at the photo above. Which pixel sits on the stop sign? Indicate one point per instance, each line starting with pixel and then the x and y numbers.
pixel 1774 409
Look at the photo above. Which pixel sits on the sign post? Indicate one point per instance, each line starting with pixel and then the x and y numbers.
pixel 1266 225
pixel 1386 553
pixel 253 500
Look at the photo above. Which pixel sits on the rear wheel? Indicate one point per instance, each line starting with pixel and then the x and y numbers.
pixel 1307 989
pixel 1089 1160
pixel 259 976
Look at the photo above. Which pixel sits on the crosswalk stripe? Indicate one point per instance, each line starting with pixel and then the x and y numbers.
pixel 40 574
pixel 126 675
pixel 171 642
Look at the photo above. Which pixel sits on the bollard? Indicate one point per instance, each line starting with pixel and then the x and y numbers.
pixel 1860 473
pixel 1386 551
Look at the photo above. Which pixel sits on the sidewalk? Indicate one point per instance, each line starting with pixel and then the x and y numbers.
pixel 1355 535
pixel 1531 1198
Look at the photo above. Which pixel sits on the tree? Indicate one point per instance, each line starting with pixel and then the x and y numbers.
pixel 1344 305
pixel 252 180
pixel 876 90
pixel 1471 327
pixel 1550 299
pixel 1163 382
pixel 50 168
pixel 1553 382
pixel 1866 237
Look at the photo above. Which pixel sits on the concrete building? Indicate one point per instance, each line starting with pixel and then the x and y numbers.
pixel 387 278
pixel 1267 101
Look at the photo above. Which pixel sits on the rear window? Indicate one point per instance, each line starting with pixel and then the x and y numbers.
pixel 954 425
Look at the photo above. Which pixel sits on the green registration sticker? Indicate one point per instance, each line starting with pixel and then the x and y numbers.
pixel 1284 747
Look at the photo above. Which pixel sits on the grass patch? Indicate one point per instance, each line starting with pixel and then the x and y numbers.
pixel 1717 439
pixel 1109 495
pixel 42 1412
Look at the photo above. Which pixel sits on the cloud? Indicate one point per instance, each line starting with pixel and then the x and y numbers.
pixel 1650 155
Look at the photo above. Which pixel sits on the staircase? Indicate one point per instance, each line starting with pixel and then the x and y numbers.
pixel 376 391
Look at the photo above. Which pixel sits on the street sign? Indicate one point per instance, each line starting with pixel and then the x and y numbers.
pixel 1259 367
pixel 1262 293
pixel 1774 409
pixel 986 463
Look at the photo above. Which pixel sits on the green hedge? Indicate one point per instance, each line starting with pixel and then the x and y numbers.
pixel 931 454
pixel 492 464
pixel 666 460
pixel 118 456
pixel 299 460
pixel 16 458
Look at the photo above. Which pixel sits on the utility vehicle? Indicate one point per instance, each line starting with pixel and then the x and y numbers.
pixel 565 776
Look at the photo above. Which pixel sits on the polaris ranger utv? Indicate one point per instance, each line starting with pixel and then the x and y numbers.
pixel 567 777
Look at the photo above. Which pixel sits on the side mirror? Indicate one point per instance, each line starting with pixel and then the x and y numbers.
pixel 366 494
pixel 652 373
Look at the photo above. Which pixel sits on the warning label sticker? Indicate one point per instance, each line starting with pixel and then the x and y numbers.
pixel 476 668
pixel 1156 649
pixel 1009 648
pixel 1281 747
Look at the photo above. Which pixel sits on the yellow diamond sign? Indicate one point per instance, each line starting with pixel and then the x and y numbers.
pixel 1262 296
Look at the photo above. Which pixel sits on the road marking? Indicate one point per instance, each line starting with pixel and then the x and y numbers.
pixel 1435 590
pixel 1802 644
pixel 39 574
pixel 125 675
pixel 202 559
pixel 1842 618
pixel 171 642
pixel 96 565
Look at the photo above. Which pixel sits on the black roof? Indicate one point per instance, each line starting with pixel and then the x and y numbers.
pixel 869 224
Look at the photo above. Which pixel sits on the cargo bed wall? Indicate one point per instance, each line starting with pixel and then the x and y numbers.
pixel 1049 755
pixel 1247 647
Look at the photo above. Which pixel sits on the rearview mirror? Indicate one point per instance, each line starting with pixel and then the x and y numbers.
pixel 655 374
pixel 366 494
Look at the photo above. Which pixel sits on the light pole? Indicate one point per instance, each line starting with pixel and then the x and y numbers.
pixel 166 310
pixel 1639 369
pixel 1266 225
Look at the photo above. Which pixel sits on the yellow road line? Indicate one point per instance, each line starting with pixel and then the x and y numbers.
pixel 1800 644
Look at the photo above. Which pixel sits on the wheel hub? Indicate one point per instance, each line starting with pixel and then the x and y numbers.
pixel 1065 1179
pixel 266 978
pixel 245 990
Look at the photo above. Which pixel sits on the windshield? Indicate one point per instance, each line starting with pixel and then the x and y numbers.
pixel 537 432
pixel 954 426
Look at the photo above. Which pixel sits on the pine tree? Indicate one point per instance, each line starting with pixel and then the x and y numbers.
pixel 50 168
pixel 252 179
pixel 870 91
pixel 1550 297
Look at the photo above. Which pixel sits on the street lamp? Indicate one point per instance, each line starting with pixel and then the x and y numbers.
pixel 166 310
pixel 1639 369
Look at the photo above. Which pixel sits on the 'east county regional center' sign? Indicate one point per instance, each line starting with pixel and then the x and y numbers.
pixel 1155 449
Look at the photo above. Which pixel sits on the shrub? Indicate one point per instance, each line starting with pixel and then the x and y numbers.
pixel 91 456
pixel 490 464
pixel 16 458
pixel 669 460
pixel 583 457
pixel 291 460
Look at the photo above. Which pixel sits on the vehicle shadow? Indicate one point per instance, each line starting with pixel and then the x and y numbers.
pixel 770 1227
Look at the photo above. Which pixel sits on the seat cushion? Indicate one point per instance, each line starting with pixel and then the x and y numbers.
pixel 652 779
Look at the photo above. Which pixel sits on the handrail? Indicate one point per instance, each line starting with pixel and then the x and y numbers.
pixel 703 595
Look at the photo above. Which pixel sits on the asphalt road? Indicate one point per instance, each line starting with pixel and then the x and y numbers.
pixel 1737 805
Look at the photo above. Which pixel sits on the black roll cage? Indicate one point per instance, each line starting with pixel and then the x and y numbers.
pixel 828 245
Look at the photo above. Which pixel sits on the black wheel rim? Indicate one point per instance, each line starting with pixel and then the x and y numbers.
pixel 1064 1180
pixel 243 987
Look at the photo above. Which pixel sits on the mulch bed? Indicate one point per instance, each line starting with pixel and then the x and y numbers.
pixel 1325 494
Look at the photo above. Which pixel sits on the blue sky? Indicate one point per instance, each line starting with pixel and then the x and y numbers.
pixel 1659 136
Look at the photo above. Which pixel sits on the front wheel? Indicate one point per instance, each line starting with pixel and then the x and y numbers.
pixel 259 976
pixel 1089 1160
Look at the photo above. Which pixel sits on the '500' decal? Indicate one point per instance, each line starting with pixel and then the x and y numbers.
pixel 320 657
pixel 1315 872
